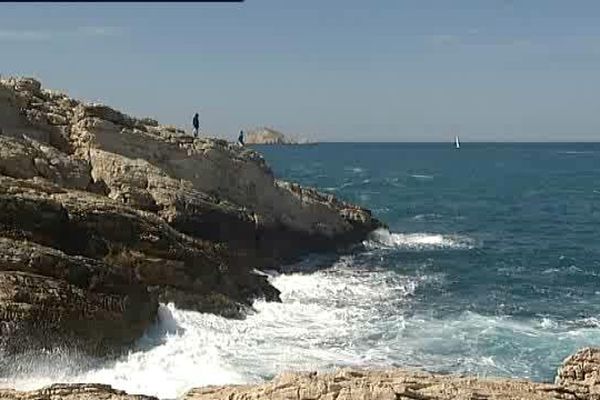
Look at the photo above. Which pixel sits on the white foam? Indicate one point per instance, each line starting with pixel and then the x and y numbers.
pixel 356 170
pixel 576 152
pixel 327 318
pixel 429 216
pixel 422 176
pixel 416 241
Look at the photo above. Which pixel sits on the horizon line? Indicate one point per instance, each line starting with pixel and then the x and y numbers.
pixel 429 142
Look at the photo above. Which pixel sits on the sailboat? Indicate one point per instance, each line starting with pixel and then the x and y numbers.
pixel 457 142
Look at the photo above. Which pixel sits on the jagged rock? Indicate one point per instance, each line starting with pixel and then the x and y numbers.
pixel 580 373
pixel 83 391
pixel 102 112
pixel 50 299
pixel 28 85
pixel 23 113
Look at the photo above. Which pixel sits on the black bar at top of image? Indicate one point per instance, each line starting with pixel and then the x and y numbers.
pixel 122 1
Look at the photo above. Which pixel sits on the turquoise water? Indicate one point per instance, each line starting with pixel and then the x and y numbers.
pixel 490 267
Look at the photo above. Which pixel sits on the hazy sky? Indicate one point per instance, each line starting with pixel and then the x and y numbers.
pixel 335 70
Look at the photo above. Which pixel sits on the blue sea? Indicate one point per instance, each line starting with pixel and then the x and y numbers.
pixel 490 266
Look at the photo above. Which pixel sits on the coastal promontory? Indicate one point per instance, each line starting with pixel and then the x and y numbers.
pixel 103 216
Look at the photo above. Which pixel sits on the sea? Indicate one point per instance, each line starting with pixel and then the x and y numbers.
pixel 490 267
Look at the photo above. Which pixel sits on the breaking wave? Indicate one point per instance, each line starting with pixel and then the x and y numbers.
pixel 349 314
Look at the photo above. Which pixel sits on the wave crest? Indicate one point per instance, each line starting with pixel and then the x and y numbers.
pixel 383 238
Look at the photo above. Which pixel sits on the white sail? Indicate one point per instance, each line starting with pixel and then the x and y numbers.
pixel 457 142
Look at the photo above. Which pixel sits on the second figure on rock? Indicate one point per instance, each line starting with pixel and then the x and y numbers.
pixel 196 124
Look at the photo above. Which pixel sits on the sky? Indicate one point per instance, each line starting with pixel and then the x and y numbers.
pixel 353 70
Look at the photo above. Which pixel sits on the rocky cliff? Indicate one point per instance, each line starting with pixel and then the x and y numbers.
pixel 103 215
pixel 577 379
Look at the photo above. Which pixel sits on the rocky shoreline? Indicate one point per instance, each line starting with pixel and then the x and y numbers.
pixel 577 379
pixel 103 216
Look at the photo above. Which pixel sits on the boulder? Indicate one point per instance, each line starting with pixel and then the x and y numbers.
pixel 27 158
pixel 580 373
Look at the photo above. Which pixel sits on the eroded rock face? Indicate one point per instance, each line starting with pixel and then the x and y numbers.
pixel 50 299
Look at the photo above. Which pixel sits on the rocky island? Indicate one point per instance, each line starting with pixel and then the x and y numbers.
pixel 270 136
pixel 103 216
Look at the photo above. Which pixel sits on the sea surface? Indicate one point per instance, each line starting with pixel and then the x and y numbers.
pixel 490 266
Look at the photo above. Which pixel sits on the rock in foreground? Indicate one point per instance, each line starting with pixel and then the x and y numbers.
pixel 580 373
pixel 384 385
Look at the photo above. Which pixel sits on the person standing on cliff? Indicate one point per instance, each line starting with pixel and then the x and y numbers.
pixel 196 124
pixel 241 138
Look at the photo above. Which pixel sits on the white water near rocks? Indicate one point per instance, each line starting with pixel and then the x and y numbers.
pixel 347 314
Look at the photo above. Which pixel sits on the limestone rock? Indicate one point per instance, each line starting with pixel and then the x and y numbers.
pixel 103 112
pixel 28 158
pixel 394 384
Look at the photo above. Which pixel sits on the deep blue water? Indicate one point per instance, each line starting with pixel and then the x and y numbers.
pixel 519 226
